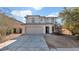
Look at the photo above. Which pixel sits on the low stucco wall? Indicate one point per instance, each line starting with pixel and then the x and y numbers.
pixel 66 31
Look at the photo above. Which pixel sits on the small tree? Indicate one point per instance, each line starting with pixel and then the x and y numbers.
pixel 70 18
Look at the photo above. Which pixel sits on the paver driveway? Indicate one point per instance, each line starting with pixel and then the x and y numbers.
pixel 27 43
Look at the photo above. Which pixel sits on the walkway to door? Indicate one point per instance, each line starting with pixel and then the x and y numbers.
pixel 27 43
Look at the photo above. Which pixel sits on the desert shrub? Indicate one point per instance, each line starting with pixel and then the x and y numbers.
pixel 2 34
pixel 8 31
pixel 77 36
pixel 2 31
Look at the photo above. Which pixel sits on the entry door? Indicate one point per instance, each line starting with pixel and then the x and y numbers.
pixel 47 30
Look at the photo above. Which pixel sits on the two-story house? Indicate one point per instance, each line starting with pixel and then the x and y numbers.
pixel 36 24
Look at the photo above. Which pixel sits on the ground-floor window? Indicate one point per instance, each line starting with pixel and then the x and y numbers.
pixel 8 31
pixel 14 30
pixel 52 29
pixel 17 30
pixel 20 30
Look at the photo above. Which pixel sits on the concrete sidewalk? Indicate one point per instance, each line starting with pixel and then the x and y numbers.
pixel 64 49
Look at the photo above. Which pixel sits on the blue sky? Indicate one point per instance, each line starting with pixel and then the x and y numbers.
pixel 20 12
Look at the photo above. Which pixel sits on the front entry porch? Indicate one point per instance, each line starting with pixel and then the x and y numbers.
pixel 49 29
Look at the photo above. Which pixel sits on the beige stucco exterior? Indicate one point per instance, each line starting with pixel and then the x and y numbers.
pixel 7 26
pixel 36 24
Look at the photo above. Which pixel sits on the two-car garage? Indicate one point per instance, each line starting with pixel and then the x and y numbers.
pixel 38 29
pixel 34 29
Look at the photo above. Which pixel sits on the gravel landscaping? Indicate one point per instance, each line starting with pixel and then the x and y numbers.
pixel 61 41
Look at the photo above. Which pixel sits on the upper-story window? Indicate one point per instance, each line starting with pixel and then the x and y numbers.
pixel 46 20
pixel 36 19
pixel 40 20
pixel 32 20
pixel 30 17
pixel 43 20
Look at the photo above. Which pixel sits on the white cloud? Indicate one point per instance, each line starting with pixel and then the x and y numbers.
pixel 23 20
pixel 21 13
pixel 53 15
pixel 37 8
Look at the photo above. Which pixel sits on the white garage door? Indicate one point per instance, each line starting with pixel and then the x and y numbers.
pixel 34 29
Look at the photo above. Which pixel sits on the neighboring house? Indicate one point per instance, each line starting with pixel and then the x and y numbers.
pixel 9 25
pixel 36 24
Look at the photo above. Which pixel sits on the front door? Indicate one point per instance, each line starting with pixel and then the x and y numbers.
pixel 47 30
